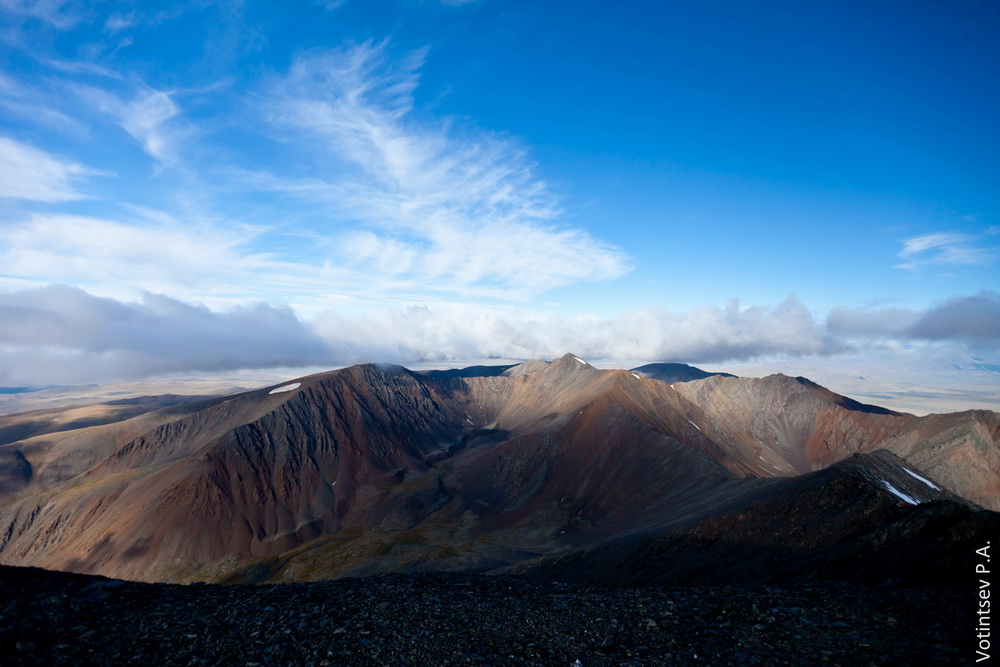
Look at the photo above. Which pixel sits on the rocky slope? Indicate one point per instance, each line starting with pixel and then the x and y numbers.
pixel 51 618
pixel 794 426
pixel 377 469
pixel 869 519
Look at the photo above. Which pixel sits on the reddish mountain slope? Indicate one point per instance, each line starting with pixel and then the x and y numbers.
pixel 375 468
pixel 794 426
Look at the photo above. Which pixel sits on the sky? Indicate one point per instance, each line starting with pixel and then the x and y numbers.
pixel 205 186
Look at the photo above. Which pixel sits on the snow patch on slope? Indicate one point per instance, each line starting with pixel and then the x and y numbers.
pixel 899 494
pixel 923 479
pixel 285 387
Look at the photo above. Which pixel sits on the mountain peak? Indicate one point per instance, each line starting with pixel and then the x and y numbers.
pixel 568 357
pixel 567 361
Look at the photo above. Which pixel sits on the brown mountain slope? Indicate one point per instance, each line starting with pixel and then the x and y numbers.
pixel 794 426
pixel 57 445
pixel 375 468
pixel 253 475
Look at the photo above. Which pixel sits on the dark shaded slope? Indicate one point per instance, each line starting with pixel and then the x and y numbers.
pixel 855 521
pixel 467 372
pixel 673 372
pixel 595 472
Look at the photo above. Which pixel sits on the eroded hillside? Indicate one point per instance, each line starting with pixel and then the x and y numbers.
pixel 375 468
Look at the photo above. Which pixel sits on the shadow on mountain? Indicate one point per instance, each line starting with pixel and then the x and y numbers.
pixel 674 372
pixel 836 524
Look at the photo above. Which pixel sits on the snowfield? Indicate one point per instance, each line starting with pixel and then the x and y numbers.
pixel 899 494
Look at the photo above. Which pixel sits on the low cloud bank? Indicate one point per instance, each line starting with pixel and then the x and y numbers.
pixel 63 335
pixel 464 332
pixel 702 335
pixel 973 320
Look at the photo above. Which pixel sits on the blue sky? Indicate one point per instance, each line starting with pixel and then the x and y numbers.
pixel 213 185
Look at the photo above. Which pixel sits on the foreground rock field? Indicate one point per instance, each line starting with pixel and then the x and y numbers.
pixel 446 619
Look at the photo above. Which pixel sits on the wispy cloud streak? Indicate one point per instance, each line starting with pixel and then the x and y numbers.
pixel 947 248
pixel 153 253
pixel 148 116
pixel 32 174
pixel 454 209
pixel 58 13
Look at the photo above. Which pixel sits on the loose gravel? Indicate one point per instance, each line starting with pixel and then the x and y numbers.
pixel 447 619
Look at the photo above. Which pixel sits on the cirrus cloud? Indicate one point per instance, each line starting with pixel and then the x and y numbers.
pixel 947 248
pixel 32 174
pixel 453 209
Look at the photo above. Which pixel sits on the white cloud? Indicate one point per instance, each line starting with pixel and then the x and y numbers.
pixel 60 334
pixel 460 331
pixel 970 319
pixel 29 173
pixel 707 334
pixel 58 13
pixel 946 248
pixel 117 22
pixel 450 209
pixel 196 262
pixel 149 117
pixel 32 104
pixel 848 322
pixel 145 118
pixel 407 206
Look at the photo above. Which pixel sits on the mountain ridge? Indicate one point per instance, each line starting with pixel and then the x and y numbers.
pixel 376 468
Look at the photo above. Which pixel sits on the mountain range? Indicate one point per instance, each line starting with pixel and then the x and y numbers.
pixel 551 469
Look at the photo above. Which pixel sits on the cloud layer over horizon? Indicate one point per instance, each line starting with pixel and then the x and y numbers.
pixel 63 335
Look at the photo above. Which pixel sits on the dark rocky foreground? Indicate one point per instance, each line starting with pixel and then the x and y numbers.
pixel 446 619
